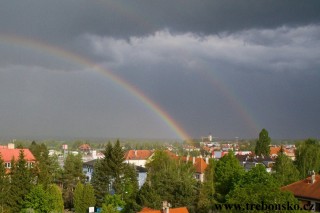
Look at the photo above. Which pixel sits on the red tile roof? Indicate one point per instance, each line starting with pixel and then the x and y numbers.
pixel 305 189
pixel 84 147
pixel 274 150
pixel 8 154
pixel 138 154
pixel 171 210
pixel 148 210
pixel 200 165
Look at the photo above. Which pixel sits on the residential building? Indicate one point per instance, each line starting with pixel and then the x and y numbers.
pixel 250 161
pixel 307 191
pixel 219 154
pixel 288 150
pixel 84 148
pixel 199 163
pixel 138 157
pixel 142 175
pixel 10 152
pixel 88 168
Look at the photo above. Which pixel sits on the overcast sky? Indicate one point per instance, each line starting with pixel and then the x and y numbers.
pixel 228 67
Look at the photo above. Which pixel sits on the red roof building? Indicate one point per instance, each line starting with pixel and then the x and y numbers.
pixel 138 157
pixel 307 191
pixel 171 210
pixel 290 152
pixel 9 152
pixel 199 163
pixel 85 148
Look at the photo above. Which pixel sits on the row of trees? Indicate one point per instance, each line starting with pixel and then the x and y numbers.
pixel 112 176
pixel 225 182
pixel 22 189
pixel 307 159
pixel 48 188
pixel 44 186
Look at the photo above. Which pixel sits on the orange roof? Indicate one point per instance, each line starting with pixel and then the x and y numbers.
pixel 138 154
pixel 84 147
pixel 305 189
pixel 200 165
pixel 274 150
pixel 171 210
pixel 8 154
pixel 148 210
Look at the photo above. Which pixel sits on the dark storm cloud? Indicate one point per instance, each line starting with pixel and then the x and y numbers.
pixel 271 74
pixel 227 67
pixel 62 20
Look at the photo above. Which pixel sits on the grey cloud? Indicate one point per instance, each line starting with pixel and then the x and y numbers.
pixel 267 79
pixel 60 21
pixel 282 49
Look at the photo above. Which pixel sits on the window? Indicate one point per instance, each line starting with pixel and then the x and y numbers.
pixel 29 164
pixel 198 176
pixel 7 165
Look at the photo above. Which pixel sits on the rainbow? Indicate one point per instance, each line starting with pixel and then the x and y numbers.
pixel 77 59
pixel 232 99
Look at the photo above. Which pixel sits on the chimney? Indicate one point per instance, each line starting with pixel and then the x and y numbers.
pixel 165 207
pixel 193 160
pixel 135 153
pixel 207 160
pixel 313 177
pixel 188 156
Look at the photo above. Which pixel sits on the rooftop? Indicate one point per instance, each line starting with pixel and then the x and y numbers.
pixel 171 210
pixel 305 188
pixel 138 154
pixel 7 154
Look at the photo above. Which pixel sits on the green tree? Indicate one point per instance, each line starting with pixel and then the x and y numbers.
pixel 72 174
pixel 308 157
pixel 78 198
pixel 89 199
pixel 112 203
pixel 228 172
pixel 55 198
pixel 108 208
pixel 284 169
pixel 169 179
pixel 37 199
pixel 117 167
pixel 148 196
pixel 4 186
pixel 263 143
pixel 46 168
pixel 112 167
pixel 130 189
pixel 258 187
pixel 100 180
pixel 83 198
pixel 21 183
pixel 101 177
